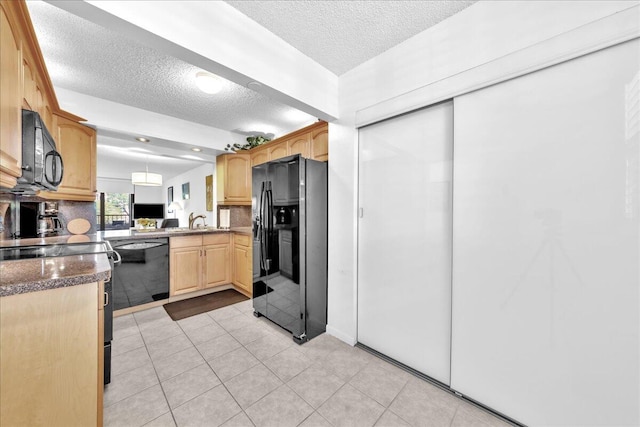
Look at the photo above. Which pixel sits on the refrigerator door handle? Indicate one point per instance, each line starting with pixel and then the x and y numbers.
pixel 261 236
pixel 268 217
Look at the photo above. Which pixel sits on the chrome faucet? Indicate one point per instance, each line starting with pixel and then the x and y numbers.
pixel 193 219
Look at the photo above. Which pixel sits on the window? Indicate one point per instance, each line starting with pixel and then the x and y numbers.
pixel 113 211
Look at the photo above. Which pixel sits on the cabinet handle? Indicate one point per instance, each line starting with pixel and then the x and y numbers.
pixel 106 299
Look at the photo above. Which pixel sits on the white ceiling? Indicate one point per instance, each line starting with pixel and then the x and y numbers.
pixel 341 35
pixel 88 59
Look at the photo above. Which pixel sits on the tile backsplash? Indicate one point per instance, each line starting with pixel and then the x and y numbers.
pixel 240 216
pixel 67 210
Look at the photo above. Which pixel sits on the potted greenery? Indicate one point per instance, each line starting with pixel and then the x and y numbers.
pixel 252 142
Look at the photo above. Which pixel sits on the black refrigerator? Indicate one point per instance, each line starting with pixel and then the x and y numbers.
pixel 289 210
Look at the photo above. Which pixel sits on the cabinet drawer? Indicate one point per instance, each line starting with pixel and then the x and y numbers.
pixel 185 241
pixel 215 239
pixel 242 239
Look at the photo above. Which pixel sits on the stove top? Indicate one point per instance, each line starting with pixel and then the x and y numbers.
pixel 54 250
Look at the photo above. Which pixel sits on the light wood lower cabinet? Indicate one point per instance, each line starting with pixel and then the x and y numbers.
pixel 242 263
pixel 199 262
pixel 51 355
pixel 217 264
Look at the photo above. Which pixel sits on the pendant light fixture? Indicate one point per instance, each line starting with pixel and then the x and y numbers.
pixel 146 178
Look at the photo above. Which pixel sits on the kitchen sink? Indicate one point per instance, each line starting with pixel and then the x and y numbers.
pixel 177 230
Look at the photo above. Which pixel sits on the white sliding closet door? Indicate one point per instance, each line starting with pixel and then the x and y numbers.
pixel 545 247
pixel 404 239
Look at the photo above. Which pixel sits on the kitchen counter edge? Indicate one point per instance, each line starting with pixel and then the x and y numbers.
pixel 39 274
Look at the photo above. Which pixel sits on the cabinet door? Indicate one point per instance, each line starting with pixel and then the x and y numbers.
pixel 50 357
pixel 234 178
pixel 259 157
pixel 242 267
pixel 411 320
pixel 186 270
pixel 28 84
pixel 277 150
pixel 77 145
pixel 216 265
pixel 320 144
pixel 10 104
pixel 299 145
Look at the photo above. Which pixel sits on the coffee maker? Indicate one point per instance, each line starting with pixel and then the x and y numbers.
pixel 49 224
pixel 38 219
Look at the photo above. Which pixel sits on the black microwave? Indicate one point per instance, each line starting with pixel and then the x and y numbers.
pixel 42 167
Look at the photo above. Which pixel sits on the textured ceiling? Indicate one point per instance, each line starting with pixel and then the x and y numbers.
pixel 340 35
pixel 87 58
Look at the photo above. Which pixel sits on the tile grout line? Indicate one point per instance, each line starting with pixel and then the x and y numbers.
pixel 156 372
pixel 214 372
pixel 206 362
pixel 394 399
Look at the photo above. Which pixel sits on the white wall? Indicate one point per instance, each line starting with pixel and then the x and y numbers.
pixel 148 194
pixel 114 185
pixel 197 201
pixel 121 185
pixel 479 34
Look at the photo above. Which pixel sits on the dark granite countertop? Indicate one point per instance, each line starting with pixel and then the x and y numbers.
pixel 38 274
pixel 166 232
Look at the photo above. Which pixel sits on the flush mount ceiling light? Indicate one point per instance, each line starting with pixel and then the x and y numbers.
pixel 141 139
pixel 208 83
pixel 146 178
pixel 196 149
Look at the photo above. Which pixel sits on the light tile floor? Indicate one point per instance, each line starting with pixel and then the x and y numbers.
pixel 228 368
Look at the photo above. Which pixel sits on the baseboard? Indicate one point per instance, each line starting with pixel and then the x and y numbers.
pixel 201 292
pixel 141 307
pixel 341 335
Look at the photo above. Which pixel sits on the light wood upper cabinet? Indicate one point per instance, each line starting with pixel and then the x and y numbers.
pixel 277 150
pixel 299 145
pixel 320 144
pixel 259 156
pixel 25 83
pixel 10 102
pixel 233 179
pixel 76 144
pixel 233 171
pixel 28 84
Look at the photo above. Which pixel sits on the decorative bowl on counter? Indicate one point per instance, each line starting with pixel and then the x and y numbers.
pixel 146 223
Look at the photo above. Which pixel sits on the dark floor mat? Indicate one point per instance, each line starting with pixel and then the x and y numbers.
pixel 190 307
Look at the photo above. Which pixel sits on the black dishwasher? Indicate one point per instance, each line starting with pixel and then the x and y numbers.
pixel 143 274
